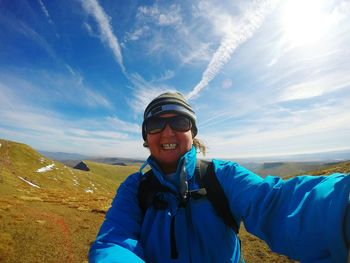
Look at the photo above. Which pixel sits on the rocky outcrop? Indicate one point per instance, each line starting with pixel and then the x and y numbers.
pixel 82 166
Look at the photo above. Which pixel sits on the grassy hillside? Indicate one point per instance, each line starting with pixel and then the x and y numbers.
pixel 54 215
pixel 283 169
pixel 341 167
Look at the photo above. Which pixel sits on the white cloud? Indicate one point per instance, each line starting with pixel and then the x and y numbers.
pixel 316 87
pixel 95 99
pixel 136 34
pixel 52 87
pixel 240 31
pixel 75 74
pixel 197 51
pixel 124 126
pixel 47 130
pixel 143 94
pixel 301 132
pixel 168 74
pixel 36 37
pixel 44 9
pixel 107 36
pixel 170 15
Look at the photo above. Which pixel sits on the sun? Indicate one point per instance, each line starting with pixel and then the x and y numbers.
pixel 304 22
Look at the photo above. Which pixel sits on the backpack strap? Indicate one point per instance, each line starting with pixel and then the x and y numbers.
pixel 150 187
pixel 148 192
pixel 215 193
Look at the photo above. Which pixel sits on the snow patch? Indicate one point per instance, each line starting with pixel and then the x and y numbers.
pixel 75 181
pixel 46 168
pixel 30 183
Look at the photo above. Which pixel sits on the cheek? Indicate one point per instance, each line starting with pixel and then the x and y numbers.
pixel 187 140
pixel 151 142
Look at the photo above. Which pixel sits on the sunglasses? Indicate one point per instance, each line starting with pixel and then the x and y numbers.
pixel 177 123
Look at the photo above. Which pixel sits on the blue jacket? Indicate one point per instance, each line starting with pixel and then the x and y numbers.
pixel 303 218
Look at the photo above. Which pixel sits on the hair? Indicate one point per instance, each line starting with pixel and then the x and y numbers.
pixel 200 146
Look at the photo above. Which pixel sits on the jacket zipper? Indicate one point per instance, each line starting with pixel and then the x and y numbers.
pixel 174 252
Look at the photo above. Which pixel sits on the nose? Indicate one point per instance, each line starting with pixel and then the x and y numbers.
pixel 168 130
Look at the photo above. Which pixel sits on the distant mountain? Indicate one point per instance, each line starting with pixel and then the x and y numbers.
pixel 62 156
pixel 329 156
pixel 72 159
pixel 117 160
pixel 283 169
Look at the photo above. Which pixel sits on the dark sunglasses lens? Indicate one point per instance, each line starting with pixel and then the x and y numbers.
pixel 155 125
pixel 181 124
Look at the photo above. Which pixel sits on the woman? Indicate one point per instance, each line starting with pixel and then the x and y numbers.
pixel 305 218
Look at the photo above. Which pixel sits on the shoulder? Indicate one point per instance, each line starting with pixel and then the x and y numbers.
pixel 131 183
pixel 229 167
pixel 229 172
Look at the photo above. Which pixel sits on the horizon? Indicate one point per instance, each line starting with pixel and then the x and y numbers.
pixel 312 157
pixel 265 78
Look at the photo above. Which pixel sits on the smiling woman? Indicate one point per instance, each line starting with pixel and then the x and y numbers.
pixel 305 22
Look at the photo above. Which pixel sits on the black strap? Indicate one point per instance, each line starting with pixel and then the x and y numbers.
pixel 215 193
pixel 149 192
pixel 150 189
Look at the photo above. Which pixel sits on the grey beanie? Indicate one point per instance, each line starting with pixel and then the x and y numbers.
pixel 169 102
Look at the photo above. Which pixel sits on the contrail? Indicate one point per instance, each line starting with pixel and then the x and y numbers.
pixel 45 11
pixel 247 25
pixel 93 8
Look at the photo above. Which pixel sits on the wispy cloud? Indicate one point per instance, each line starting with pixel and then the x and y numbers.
pixel 44 9
pixel 40 87
pixel 316 87
pixel 47 130
pixel 144 92
pixel 136 34
pixel 30 33
pixel 107 36
pixel 163 17
pixel 299 132
pixel 161 30
pixel 123 125
pixel 241 31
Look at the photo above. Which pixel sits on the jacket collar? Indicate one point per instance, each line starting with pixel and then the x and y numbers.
pixel 187 163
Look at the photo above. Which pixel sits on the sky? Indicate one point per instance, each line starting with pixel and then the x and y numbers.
pixel 265 78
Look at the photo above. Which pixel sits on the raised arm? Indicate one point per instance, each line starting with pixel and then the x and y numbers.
pixel 303 218
pixel 117 240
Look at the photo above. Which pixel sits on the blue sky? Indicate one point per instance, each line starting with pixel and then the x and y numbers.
pixel 264 77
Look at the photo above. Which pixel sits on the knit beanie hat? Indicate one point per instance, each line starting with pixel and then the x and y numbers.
pixel 169 102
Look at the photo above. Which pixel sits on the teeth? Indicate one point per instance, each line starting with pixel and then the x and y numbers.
pixel 169 146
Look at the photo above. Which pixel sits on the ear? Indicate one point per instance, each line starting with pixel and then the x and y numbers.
pixel 145 144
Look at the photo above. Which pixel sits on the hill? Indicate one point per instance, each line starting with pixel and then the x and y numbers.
pixel 51 213
pixel 283 169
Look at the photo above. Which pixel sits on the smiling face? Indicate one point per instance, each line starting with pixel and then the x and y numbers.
pixel 169 145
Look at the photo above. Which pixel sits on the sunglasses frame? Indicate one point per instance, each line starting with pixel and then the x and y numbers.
pixel 168 121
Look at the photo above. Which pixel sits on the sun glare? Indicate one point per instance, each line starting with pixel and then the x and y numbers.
pixel 304 22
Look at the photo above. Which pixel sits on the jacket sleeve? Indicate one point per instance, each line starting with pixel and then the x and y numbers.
pixel 117 240
pixel 304 217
